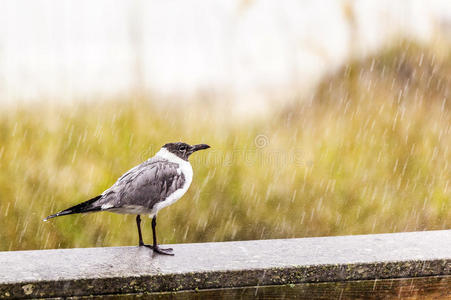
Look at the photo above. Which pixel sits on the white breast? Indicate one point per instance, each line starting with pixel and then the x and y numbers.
pixel 184 168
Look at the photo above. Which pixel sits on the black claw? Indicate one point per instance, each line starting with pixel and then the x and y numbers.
pixel 165 251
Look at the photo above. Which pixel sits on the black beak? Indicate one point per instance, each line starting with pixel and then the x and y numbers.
pixel 195 148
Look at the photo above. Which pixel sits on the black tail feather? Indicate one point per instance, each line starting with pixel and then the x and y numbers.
pixel 77 209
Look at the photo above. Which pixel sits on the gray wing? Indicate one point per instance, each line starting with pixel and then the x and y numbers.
pixel 144 185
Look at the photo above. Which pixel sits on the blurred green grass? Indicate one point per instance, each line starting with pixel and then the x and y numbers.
pixel 368 153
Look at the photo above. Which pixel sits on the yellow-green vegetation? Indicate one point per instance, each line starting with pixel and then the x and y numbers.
pixel 369 153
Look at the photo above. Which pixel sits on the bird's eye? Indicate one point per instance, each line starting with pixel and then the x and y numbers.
pixel 182 148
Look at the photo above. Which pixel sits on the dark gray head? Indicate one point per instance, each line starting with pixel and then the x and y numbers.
pixel 184 150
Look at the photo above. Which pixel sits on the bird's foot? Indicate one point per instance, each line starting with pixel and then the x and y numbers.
pixel 165 251
pixel 157 249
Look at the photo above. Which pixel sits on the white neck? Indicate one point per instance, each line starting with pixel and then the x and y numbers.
pixel 183 168
pixel 164 153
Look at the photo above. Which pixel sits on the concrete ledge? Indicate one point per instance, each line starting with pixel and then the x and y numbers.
pixel 121 270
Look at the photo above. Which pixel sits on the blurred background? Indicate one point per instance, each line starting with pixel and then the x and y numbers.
pixel 324 117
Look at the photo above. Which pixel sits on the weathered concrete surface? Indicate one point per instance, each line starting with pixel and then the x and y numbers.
pixel 96 271
pixel 430 287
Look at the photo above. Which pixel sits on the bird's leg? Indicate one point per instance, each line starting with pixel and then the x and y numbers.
pixel 155 247
pixel 138 223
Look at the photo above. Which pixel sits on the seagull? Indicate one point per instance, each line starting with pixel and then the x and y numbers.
pixel 146 188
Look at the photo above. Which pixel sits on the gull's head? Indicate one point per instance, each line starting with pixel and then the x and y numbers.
pixel 183 150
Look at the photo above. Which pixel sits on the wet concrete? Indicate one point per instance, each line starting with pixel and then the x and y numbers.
pixel 122 270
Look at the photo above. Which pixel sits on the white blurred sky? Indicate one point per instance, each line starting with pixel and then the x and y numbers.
pixel 252 50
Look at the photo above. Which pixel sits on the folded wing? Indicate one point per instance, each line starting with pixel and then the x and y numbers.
pixel 143 186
